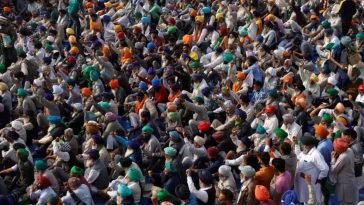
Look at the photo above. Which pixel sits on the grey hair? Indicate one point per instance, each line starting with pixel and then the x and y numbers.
pixel 68 131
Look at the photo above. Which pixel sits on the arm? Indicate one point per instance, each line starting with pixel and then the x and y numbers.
pixel 192 107
pixel 202 195
pixel 92 176
pixel 320 163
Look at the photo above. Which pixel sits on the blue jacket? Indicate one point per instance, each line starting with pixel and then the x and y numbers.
pixel 325 147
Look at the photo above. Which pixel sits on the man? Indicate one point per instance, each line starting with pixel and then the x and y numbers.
pixel 206 194
pixel 266 172
pixel 310 162
pixel 291 127
pixel 151 145
pixel 225 197
pixel 350 136
pixel 96 172
pixel 184 195
pixel 347 9
pixel 77 192
pixel 43 191
pixel 41 169
pixel 342 168
pixel 290 159
pixel 325 145
pixel 283 179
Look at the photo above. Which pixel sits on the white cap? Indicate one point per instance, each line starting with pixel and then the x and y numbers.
pixel 17 125
pixel 50 39
pixel 77 106
pixel 332 80
pixel 57 90
pixel 37 82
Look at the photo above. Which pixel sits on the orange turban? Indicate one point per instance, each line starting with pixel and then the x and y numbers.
pixel 340 145
pixel 126 55
pixel 287 79
pixel 240 76
pixel 114 84
pixel 72 39
pixel 86 92
pixel 7 9
pixel 171 107
pixel 321 131
pixel 74 50
pixel 301 102
pixel 187 39
pixel 261 193
pixel 89 5
pixel 342 120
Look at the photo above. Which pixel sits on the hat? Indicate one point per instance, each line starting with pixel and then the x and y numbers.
pixel 17 125
pixel 199 140
pixel 340 145
pixel 74 50
pixel 206 9
pixel 326 24
pixel 86 92
pixel 124 191
pixel 6 9
pixel 224 170
pixel 308 139
pixel 206 176
pixel 199 100
pixel 57 90
pixel 247 170
pixel 345 41
pixel 228 57
pixel 170 151
pixel 194 56
pixel 70 60
pixel 182 192
pixel 70 31
pixel 22 92
pixel 187 39
pixel 43 182
pixel 270 109
pixel 105 105
pixel 151 45
pixel 163 195
pixel 314 17
pixel 134 174
pixel 173 116
pixel 77 170
pixel 40 165
pixel 332 92
pixel 203 126
pixel 321 131
pixel 223 31
pixel 143 86
pixel 22 154
pixel 281 134
pixel 332 80
pixel 147 129
pixel 94 75
pixel 360 36
pixel 54 118
pixel 93 154
pixel 327 118
pixel 3 87
pixel 261 193
pixel 261 130
pixel 243 32
pixel 342 120
pixel 289 198
pixel 77 106
pixel 193 12
pixel 199 19
pixel 273 93
pixel 212 151
pixel 172 29
pixel 174 135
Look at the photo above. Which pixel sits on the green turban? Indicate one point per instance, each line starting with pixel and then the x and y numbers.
pixel 329 46
pixel 327 118
pixel 124 191
pixel 87 71
pixel 273 93
pixel 281 134
pixel 48 48
pixel 40 165
pixel 77 171
pixel 326 24
pixel 170 151
pixel 332 92
pixel 173 116
pixel 169 167
pixel 22 154
pixel 147 129
pixel 172 29
pixel 22 92
pixel 134 174
pixel 194 64
pixel 228 57
pixel 105 105
pixel 94 75
pixel 163 195
pixel 359 36
pixel 199 100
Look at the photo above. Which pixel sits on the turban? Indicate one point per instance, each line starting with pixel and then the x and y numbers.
pixel 308 139
pixel 97 139
pixel 326 24
pixel 203 126
pixel 321 131
pixel 134 174
pixel 143 86
pixel 359 36
pixel 22 154
pixel 43 182
pixel 163 195
pixel 3 87
pixel 156 83
pixel 173 116
pixel 261 193
pixel 86 92
pixel 345 41
pixel 74 182
pixel 240 76
pixel 77 171
pixel 182 192
pixel 54 119
pixel 124 191
pixel 261 130
pixel 13 135
pixel 94 154
pixel 281 134
pixel 241 114
pixel 327 118
pixel 340 145
pixel 114 84
pixel 40 165
pixel 206 176
pixel 199 140
pixel 70 31
pixel 289 197
pixel 332 92
pixel 342 120
pixel 228 57
pixel 332 80
pixel 272 93
pixel 270 109
pixel 224 170
pixel 105 105
pixel 175 135
pixel 110 117
pixel 340 108
pixel 147 129
pixel 329 46
pixel 212 151
pixel 57 90
pixel 22 92
pixel 171 107
pixel 247 170
pixel 170 168
pixel 170 151
pixel 199 100
pixel 288 118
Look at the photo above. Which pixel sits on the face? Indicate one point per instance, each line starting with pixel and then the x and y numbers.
pixel 222 200
pixel 347 138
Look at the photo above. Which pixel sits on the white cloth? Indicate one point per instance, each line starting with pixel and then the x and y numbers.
pixel 42 196
pixel 83 193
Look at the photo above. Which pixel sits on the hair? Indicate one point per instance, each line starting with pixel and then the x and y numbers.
pixel 145 113
pixel 352 133
pixel 265 158
pixel 228 194
pixel 286 148
pixel 279 164
pixel 68 131
pixel 126 162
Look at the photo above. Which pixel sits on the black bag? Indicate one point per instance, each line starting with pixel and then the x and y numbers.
pixel 75 197
pixel 358 169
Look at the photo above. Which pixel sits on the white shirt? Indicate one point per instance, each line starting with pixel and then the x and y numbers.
pixel 83 194
pixel 200 194
pixel 42 195
pixel 270 124
pixel 293 130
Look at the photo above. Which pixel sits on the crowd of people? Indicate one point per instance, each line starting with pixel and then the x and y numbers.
pixel 181 102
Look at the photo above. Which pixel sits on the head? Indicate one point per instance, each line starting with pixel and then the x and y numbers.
pixel 279 165
pixel 225 197
pixel 264 159
pixel 285 148
pixel 68 134
pixel 350 135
